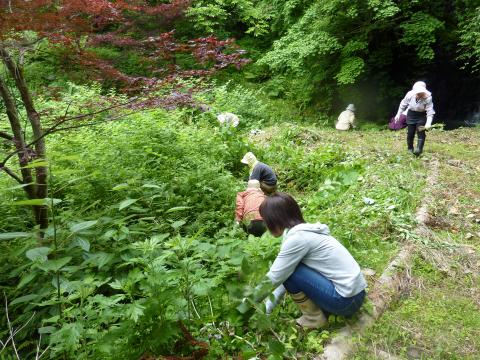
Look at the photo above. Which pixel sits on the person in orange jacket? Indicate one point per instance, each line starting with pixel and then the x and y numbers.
pixel 246 211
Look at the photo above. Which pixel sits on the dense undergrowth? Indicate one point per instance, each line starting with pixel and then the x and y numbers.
pixel 142 241
pixel 142 256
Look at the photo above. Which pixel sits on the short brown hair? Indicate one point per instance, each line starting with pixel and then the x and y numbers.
pixel 280 211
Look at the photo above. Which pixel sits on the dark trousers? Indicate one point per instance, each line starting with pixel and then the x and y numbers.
pixel 255 227
pixel 416 124
pixel 268 189
pixel 411 129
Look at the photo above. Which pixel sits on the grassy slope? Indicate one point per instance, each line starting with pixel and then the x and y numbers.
pixel 440 317
pixel 445 300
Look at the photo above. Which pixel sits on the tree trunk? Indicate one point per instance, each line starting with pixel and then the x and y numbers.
pixel 23 156
pixel 41 172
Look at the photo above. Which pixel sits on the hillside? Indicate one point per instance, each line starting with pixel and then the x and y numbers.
pixel 139 249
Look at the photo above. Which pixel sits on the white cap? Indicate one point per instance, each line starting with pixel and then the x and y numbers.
pixel 420 87
pixel 351 107
pixel 248 158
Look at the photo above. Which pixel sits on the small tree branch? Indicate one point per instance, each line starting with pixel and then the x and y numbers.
pixel 11 173
pixel 119 117
pixel 10 327
pixel 6 136
pixel 4 344
pixel 43 352
pixel 38 347
pixel 52 129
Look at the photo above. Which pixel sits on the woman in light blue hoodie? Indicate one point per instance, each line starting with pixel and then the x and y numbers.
pixel 318 272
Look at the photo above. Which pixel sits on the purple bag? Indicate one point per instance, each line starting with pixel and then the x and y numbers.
pixel 397 125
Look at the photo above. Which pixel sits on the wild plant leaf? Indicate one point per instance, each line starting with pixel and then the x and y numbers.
pixel 177 208
pixel 99 259
pixel 55 264
pixel 120 187
pixel 244 306
pixel 26 279
pixel 206 247
pixel 38 254
pixel 31 202
pixel 126 203
pixel 134 311
pixel 349 178
pixel 235 260
pixel 177 224
pixel 276 347
pixel 69 335
pixel 51 320
pixel 82 244
pixel 24 298
pixel 35 163
pixel 224 251
pixel 36 202
pixel 151 186
pixel 14 235
pixel 46 329
pixel 203 287
pixel 83 226
pixel 247 267
pixel 20 186
pixel 160 237
pixel 72 268
pixel 135 276
pixel 50 302
pixel 116 284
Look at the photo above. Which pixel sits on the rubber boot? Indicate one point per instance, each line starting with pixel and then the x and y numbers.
pixel 313 317
pixel 419 148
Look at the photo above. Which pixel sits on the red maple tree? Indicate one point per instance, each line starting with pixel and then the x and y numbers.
pixel 79 27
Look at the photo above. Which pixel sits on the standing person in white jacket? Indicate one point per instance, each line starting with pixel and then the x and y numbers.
pixel 320 274
pixel 346 119
pixel 419 116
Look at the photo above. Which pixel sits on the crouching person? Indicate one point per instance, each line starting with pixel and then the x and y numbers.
pixel 247 209
pixel 317 271
pixel 261 172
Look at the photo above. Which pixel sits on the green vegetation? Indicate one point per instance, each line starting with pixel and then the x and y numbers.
pixel 140 256
pixel 143 232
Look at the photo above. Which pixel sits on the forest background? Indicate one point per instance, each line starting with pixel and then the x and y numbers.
pixel 109 133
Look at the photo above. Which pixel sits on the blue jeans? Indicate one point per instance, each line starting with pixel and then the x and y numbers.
pixel 322 291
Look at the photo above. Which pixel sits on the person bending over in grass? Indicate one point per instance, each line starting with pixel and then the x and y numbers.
pixel 419 116
pixel 261 172
pixel 246 211
pixel 318 272
pixel 346 119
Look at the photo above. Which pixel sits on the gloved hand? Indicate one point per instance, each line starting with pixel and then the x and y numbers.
pixel 278 294
pixel 255 297
pixel 397 117
pixel 428 124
